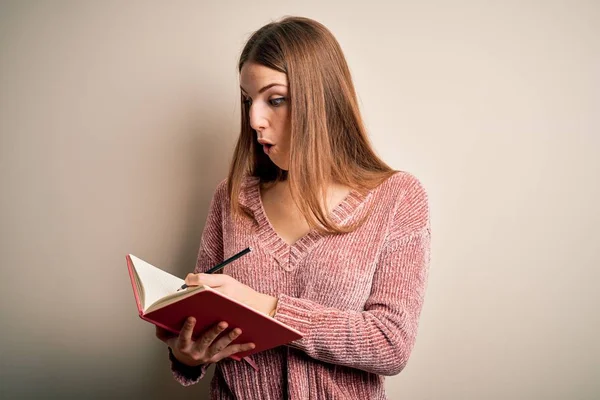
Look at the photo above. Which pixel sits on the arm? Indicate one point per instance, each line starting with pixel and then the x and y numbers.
pixel 209 254
pixel 380 338
pixel 211 243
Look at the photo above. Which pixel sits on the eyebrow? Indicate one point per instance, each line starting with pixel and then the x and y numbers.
pixel 270 85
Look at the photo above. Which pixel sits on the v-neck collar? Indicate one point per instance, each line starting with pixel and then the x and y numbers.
pixel 287 255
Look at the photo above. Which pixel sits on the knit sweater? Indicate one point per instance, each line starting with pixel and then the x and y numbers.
pixel 356 297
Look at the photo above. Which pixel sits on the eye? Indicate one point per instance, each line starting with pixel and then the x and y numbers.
pixel 277 101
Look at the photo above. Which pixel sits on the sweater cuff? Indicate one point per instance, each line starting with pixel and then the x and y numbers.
pixel 184 374
pixel 297 314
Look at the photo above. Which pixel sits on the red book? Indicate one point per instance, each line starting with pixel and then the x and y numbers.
pixel 160 303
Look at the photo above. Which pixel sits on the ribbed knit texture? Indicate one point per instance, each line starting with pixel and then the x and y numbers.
pixel 356 297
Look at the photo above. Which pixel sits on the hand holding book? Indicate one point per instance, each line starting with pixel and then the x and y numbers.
pixel 206 349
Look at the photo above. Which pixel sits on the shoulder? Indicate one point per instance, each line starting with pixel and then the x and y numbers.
pixel 220 192
pixel 220 197
pixel 221 189
pixel 404 187
pixel 405 196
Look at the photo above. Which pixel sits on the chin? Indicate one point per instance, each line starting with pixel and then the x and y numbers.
pixel 277 163
pixel 280 166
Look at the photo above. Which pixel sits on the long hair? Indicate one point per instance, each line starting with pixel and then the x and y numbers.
pixel 329 143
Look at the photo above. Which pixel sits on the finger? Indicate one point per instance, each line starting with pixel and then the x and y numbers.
pixel 223 342
pixel 233 349
pixel 212 280
pixel 210 335
pixel 185 335
pixel 192 280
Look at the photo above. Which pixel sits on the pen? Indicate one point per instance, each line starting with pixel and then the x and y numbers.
pixel 220 266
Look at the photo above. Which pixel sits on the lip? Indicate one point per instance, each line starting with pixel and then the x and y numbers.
pixel 264 142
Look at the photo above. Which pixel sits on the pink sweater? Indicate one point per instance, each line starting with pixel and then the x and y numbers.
pixel 356 297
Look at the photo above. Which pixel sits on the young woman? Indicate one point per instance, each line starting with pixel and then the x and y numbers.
pixel 341 241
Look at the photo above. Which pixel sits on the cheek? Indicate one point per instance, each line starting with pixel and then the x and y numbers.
pixel 283 129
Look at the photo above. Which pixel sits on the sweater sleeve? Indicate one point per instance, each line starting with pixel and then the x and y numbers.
pixel 209 254
pixel 184 374
pixel 380 338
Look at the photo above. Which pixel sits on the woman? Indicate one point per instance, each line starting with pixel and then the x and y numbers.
pixel 341 241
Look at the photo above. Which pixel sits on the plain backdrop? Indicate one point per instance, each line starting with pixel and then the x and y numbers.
pixel 118 119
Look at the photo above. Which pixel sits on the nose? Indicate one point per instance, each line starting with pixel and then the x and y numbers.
pixel 258 117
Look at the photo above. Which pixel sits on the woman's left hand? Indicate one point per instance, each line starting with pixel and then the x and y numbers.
pixel 236 290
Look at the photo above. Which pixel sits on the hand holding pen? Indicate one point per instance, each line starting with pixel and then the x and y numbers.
pixel 232 288
pixel 220 266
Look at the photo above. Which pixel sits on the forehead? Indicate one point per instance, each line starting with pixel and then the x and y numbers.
pixel 255 76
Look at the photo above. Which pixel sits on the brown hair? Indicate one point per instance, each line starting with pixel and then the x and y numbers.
pixel 327 131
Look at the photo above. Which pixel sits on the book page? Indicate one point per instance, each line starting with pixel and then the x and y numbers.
pixel 155 282
pixel 173 298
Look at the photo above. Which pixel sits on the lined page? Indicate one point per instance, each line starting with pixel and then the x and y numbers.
pixel 156 282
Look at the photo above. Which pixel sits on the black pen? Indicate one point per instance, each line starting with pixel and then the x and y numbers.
pixel 220 266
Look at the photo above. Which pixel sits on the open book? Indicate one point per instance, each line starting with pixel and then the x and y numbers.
pixel 159 302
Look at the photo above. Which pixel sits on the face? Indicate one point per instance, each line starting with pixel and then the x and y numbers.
pixel 266 93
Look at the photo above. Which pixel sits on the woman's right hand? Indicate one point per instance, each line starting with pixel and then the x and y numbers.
pixel 204 350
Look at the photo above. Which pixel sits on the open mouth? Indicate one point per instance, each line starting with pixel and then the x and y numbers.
pixel 267 148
